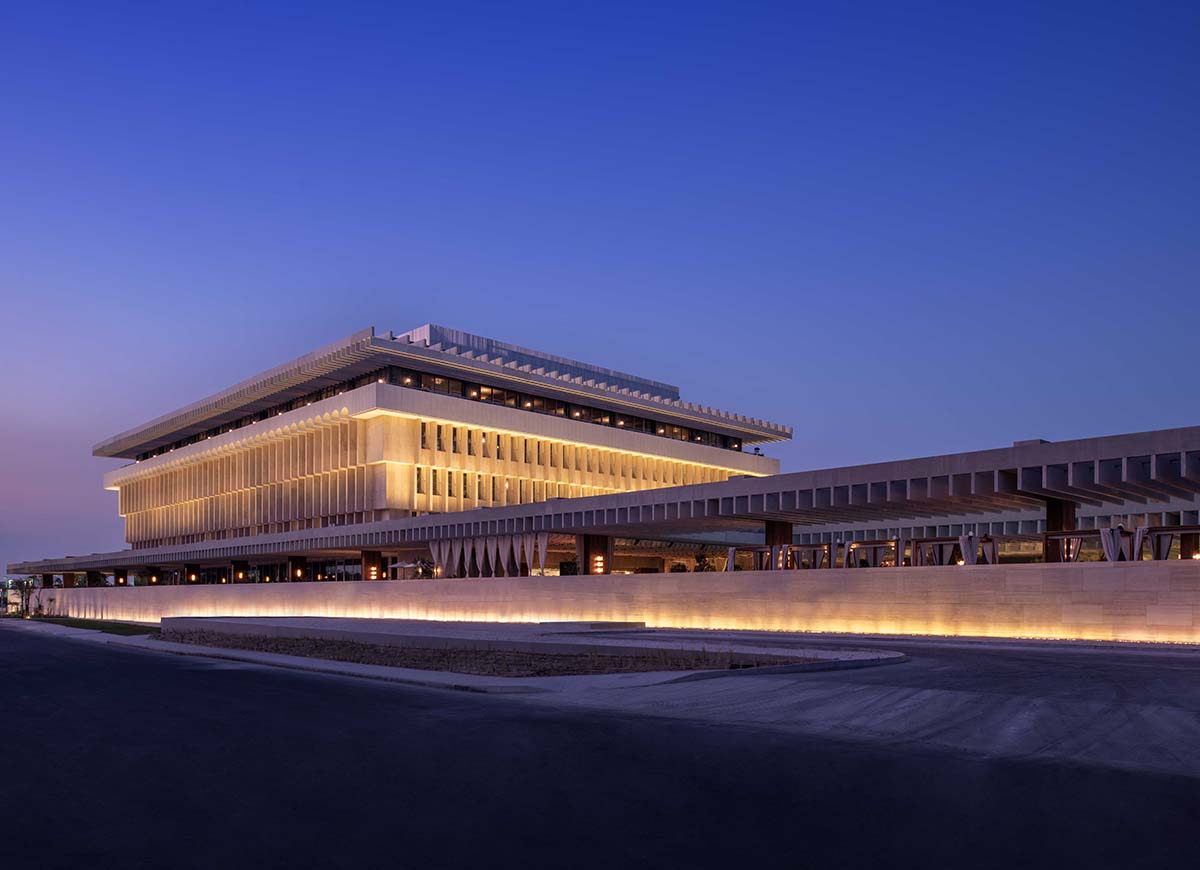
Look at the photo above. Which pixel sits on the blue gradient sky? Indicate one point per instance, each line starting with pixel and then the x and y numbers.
pixel 902 228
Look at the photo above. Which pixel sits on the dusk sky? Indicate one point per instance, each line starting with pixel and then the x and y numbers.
pixel 901 228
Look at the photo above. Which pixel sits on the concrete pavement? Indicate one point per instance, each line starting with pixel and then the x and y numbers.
pixel 122 758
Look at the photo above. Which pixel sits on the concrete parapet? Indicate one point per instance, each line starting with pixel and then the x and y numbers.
pixel 1136 601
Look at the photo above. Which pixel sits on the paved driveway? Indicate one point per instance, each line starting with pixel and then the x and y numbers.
pixel 123 758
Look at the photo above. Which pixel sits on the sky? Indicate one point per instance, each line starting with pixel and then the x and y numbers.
pixel 902 228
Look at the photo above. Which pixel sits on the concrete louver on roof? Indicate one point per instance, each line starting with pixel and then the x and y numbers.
pixel 364 352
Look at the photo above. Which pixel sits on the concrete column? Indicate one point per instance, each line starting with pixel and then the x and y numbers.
pixel 121 576
pixel 297 569
pixel 372 565
pixel 594 553
pixel 777 534
pixel 48 581
pixel 1060 517
pixel 239 572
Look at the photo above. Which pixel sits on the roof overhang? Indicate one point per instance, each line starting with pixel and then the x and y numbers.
pixel 364 351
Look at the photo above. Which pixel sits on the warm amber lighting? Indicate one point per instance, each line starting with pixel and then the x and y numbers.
pixel 299 573
pixel 1196 556
pixel 875 601
pixel 154 578
pixel 222 579
pixel 192 578
pixel 960 562
pixel 241 575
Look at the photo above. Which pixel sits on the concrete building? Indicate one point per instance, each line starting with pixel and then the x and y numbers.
pixel 440 452
pixel 376 429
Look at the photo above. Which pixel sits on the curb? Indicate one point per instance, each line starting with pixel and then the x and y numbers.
pixel 801 668
pixel 328 667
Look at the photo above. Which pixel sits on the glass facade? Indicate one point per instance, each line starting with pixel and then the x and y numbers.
pixel 475 392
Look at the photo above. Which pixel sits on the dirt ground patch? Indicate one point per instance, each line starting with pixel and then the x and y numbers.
pixel 494 663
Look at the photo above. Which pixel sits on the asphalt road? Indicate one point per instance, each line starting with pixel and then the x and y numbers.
pixel 120 758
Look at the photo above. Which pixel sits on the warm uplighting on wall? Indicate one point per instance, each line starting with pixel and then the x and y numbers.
pixel 222 579
pixel 299 572
pixel 597 564
pixel 1196 556
pixel 241 575
pixel 960 562
pixel 192 577
pixel 153 578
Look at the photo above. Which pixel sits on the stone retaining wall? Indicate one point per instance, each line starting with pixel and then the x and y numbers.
pixel 1139 601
